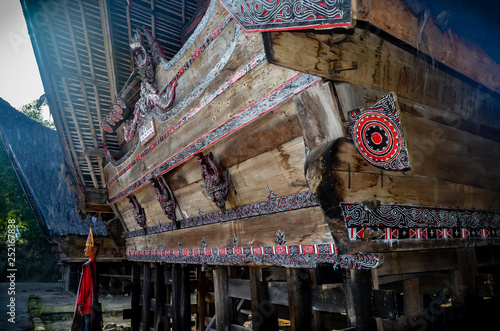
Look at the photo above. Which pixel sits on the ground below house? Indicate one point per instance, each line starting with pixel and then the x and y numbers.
pixel 55 305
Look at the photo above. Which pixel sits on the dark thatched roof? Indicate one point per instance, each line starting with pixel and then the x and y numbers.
pixel 83 54
pixel 36 155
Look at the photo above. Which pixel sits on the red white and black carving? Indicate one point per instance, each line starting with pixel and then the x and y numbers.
pixel 409 222
pixel 378 134
pixel 139 214
pixel 150 99
pixel 272 206
pixel 143 60
pixel 272 15
pixel 166 198
pixel 294 256
pixel 155 49
pixel 280 238
pixel 188 29
pixel 116 115
pixel 215 178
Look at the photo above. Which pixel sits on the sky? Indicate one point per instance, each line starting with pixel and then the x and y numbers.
pixel 21 81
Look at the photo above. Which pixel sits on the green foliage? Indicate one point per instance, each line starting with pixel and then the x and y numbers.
pixel 35 113
pixel 34 258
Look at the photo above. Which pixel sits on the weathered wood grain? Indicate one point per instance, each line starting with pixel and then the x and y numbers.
pixel 256 231
pixel 443 46
pixel 216 113
pixel 387 67
pixel 436 151
pixel 284 175
pixel 319 114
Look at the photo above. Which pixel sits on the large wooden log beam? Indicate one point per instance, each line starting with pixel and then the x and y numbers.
pixel 444 46
pixel 109 48
pixel 384 66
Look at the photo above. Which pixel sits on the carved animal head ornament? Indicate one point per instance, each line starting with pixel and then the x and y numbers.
pixel 166 198
pixel 215 178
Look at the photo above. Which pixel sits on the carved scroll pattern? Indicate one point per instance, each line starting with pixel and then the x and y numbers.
pixel 265 15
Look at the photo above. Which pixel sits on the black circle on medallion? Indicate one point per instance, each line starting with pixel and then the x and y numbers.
pixel 376 138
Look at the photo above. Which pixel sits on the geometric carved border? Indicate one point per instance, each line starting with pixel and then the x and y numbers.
pixel 265 15
pixel 294 256
pixel 410 222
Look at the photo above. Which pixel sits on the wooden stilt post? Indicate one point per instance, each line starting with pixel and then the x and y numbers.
pixel 181 304
pixel 146 298
pixel 359 300
pixel 299 298
pixel 159 323
pixel 411 297
pixel 317 320
pixel 263 312
pixel 223 304
pixel 168 296
pixel 201 300
pixel 136 295
pixel 463 281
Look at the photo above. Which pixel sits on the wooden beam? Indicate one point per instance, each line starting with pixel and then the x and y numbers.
pixel 223 304
pixel 146 296
pixel 97 196
pixel 94 153
pixel 129 31
pixel 93 208
pixel 70 105
pixel 299 298
pixel 319 114
pixel 109 48
pixel 136 293
pixel 359 300
pixel 385 66
pixel 83 88
pixel 91 66
pixel 181 305
pixel 85 99
pixel 201 302
pixel 153 19
pixel 472 62
pixel 66 140
pixel 263 312
pixel 463 282
pixel 159 293
pixel 412 300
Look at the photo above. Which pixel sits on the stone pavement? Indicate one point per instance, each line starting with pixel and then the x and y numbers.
pixel 56 306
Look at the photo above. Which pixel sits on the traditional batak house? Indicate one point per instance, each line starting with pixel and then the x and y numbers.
pixel 36 156
pixel 283 164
